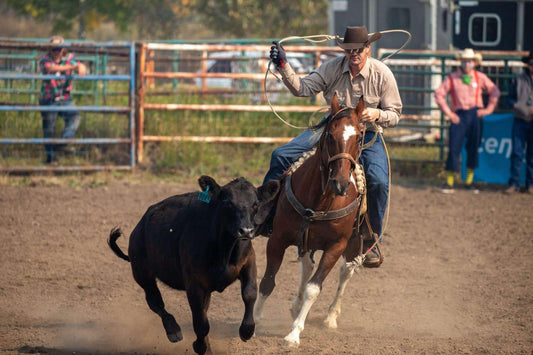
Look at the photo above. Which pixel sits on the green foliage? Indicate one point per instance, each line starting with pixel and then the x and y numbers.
pixel 65 14
pixel 263 19
pixel 173 19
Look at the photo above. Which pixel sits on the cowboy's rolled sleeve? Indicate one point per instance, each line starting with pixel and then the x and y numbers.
pixel 391 103
pixel 310 85
pixel 375 83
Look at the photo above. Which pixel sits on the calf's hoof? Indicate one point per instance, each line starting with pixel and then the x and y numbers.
pixel 172 328
pixel 200 347
pixel 246 331
pixel 174 337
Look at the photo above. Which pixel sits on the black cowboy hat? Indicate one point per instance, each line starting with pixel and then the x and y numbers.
pixel 528 58
pixel 356 37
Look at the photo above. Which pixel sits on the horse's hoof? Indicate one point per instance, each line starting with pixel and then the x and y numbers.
pixel 291 342
pixel 330 323
pixel 175 337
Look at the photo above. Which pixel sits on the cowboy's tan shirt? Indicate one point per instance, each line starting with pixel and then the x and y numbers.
pixel 375 83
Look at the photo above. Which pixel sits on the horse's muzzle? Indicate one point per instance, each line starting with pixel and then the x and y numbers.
pixel 339 188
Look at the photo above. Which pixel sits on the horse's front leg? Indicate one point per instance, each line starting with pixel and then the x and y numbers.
pixel 248 278
pixel 345 274
pixel 306 267
pixel 275 252
pixel 312 290
pixel 352 262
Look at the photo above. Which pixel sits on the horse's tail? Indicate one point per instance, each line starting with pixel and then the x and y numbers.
pixel 112 242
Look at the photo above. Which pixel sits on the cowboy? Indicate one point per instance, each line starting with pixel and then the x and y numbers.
pixel 56 92
pixel 521 100
pixel 351 76
pixel 465 87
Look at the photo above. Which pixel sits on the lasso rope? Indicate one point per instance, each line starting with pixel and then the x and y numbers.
pixel 318 39
pixel 323 38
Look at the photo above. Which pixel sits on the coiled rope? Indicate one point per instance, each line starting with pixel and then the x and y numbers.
pixel 323 38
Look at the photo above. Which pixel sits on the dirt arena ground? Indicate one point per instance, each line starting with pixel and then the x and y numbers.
pixel 457 279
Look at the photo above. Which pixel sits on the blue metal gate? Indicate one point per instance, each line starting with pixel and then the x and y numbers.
pixel 18 76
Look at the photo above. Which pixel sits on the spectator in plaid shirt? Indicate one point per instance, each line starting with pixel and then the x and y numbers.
pixel 56 92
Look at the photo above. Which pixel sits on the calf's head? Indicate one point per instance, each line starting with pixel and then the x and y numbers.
pixel 239 206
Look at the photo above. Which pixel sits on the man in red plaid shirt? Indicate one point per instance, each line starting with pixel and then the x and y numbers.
pixel 56 92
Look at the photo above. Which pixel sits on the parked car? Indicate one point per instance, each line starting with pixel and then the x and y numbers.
pixel 242 62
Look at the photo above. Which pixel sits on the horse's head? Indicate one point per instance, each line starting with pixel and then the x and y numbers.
pixel 340 144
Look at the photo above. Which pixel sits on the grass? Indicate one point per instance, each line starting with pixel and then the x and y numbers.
pixel 172 161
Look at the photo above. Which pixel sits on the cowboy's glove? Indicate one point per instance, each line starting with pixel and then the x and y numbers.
pixel 370 114
pixel 277 54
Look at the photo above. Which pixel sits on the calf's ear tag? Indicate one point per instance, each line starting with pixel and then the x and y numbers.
pixel 204 196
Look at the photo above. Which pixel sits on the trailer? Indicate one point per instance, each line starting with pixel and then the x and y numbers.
pixel 440 24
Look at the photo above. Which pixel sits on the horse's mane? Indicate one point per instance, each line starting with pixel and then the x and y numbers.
pixel 300 161
pixel 341 113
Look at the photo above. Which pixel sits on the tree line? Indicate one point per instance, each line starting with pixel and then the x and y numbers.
pixel 178 19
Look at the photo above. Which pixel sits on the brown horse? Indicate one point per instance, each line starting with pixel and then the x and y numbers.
pixel 316 210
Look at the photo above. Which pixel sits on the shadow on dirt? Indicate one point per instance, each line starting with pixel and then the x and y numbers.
pixel 43 350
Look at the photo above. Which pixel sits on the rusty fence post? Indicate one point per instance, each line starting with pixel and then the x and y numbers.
pixel 140 101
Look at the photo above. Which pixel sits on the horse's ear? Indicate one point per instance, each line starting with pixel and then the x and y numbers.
pixel 360 107
pixel 335 104
pixel 207 181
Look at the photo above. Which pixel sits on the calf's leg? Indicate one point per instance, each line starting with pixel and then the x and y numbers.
pixel 249 295
pixel 199 303
pixel 156 304
pixel 275 252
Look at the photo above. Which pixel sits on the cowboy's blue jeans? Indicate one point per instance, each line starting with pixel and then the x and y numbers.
pixel 373 158
pixel 522 142
pixel 72 121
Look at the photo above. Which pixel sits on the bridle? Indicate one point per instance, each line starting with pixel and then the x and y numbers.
pixel 339 156
pixel 309 215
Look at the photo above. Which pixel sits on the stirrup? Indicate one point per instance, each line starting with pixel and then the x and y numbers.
pixel 373 258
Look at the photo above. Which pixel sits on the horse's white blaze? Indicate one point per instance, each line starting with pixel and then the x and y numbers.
pixel 352 180
pixel 349 131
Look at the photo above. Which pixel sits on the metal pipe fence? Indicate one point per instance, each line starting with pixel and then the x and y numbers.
pixel 420 72
pixel 229 69
pixel 19 95
pixel 213 93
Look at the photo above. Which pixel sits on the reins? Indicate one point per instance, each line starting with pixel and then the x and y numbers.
pixel 294 202
pixel 309 215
